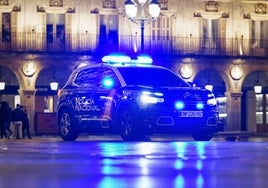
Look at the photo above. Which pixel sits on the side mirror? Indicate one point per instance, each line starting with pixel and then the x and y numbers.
pixel 192 84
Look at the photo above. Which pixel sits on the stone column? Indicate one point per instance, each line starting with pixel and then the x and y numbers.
pixel 28 100
pixel 233 111
pixel 251 111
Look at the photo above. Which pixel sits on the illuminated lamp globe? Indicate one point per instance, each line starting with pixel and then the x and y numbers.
pixel 2 85
pixel 154 9
pixel 54 86
pixel 236 72
pixel 258 88
pixel 131 9
pixel 186 71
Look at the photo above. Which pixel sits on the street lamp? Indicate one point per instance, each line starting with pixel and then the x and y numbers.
pixel 258 86
pixel 2 83
pixel 132 6
pixel 209 85
pixel 54 85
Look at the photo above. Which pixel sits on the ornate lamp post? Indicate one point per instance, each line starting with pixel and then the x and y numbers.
pixel 132 6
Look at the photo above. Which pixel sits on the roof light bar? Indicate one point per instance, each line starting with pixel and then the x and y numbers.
pixel 124 59
pixel 116 58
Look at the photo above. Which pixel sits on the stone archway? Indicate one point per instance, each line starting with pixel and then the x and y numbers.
pixel 11 86
pixel 254 105
pixel 212 77
pixel 208 76
pixel 46 98
pixel 59 74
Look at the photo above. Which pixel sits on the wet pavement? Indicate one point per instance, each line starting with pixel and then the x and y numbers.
pixel 108 162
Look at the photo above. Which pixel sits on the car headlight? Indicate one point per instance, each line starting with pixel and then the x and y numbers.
pixel 151 98
pixel 211 100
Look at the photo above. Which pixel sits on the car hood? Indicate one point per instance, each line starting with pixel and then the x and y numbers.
pixel 185 93
pixel 177 93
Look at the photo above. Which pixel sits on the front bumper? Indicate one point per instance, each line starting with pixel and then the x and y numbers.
pixel 170 121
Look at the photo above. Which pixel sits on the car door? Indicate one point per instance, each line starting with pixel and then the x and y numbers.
pixel 107 87
pixel 84 104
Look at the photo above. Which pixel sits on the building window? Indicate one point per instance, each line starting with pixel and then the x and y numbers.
pixel 109 30
pixel 211 33
pixel 259 108
pixel 3 2
pixel 161 28
pixel 56 28
pixel 56 3
pixel 6 34
pixel 109 4
pixel 259 33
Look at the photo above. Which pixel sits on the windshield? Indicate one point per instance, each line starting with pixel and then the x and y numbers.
pixel 151 76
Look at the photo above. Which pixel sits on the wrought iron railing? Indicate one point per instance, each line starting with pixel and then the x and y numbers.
pixel 86 43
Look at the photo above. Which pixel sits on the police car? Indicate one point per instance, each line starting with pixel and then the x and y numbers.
pixel 134 101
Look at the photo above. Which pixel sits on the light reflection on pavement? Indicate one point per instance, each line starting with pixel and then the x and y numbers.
pixel 111 163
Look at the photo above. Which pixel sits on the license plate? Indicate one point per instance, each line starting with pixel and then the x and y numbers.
pixel 190 113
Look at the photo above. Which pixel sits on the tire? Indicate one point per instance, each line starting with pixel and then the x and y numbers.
pixel 130 125
pixel 202 136
pixel 67 127
pixel 230 138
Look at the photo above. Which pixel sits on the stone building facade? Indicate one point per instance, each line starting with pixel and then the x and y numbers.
pixel 224 42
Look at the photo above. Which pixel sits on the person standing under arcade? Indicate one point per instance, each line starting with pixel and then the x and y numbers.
pixel 6 118
pixel 25 123
pixel 17 121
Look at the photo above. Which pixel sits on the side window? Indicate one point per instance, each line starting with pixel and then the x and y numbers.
pixel 107 79
pixel 87 77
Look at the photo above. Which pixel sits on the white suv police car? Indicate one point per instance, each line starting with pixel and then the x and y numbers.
pixel 134 101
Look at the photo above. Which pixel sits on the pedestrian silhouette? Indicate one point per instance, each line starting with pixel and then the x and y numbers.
pixel 25 123
pixel 17 121
pixel 6 118
pixel 1 122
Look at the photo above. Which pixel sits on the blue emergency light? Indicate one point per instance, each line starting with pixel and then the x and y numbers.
pixel 119 58
pixel 200 106
pixel 108 82
pixel 116 58
pixel 179 105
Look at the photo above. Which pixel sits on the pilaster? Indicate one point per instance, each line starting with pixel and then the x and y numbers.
pixel 28 100
pixel 233 111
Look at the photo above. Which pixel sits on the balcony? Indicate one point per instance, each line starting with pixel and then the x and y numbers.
pixel 86 43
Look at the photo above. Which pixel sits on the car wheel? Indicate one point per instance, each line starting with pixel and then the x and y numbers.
pixel 202 137
pixel 230 138
pixel 67 128
pixel 130 128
